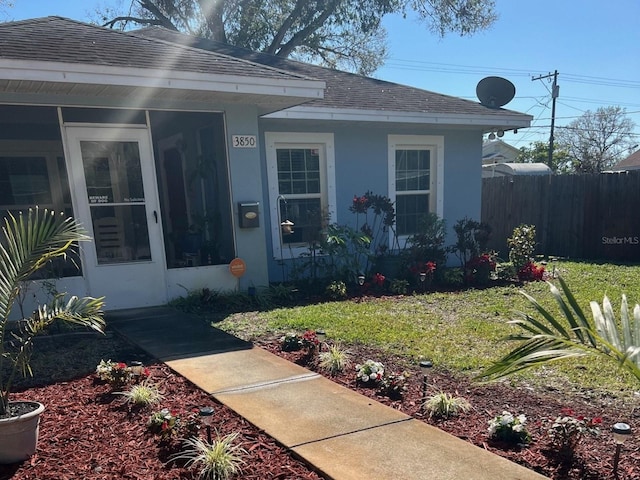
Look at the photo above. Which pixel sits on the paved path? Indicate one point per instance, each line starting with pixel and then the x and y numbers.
pixel 344 435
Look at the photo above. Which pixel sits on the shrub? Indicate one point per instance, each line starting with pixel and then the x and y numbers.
pixel 522 245
pixel 163 422
pixel 568 428
pixel 310 341
pixel 291 342
pixel 369 373
pixel 427 245
pixel 471 239
pixel 530 272
pixel 117 374
pixel 479 268
pixel 394 385
pixel 444 405
pixel 334 361
pixel 336 290
pixel 509 428
pixel 399 286
pixel 453 277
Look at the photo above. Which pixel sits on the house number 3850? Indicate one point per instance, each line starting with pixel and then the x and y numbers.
pixel 243 141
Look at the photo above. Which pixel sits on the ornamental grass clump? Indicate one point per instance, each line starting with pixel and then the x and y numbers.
pixel 445 405
pixel 218 460
pixel 509 428
pixel 334 361
pixel 142 395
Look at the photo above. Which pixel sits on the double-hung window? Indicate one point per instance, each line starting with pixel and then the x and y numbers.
pixel 414 169
pixel 301 189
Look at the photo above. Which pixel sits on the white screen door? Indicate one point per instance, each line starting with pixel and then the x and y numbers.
pixel 112 173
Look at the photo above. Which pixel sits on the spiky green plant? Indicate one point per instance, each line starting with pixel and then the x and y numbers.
pixel 445 405
pixel 335 360
pixel 548 339
pixel 143 394
pixel 218 460
pixel 27 245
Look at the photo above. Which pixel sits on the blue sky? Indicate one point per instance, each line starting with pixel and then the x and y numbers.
pixel 594 46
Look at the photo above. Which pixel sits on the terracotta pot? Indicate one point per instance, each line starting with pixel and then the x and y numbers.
pixel 19 434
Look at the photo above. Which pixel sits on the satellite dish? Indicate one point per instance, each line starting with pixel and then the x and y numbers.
pixel 495 92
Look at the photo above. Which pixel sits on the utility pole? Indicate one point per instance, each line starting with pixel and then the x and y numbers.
pixel 555 91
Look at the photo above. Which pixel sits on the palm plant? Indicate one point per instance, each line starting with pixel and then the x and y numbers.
pixel 548 339
pixel 28 243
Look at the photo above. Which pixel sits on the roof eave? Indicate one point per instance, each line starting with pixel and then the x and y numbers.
pixel 487 122
pixel 157 78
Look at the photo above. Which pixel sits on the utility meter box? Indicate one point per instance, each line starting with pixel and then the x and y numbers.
pixel 249 214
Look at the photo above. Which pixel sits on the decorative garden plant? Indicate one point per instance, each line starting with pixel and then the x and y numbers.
pixel 28 243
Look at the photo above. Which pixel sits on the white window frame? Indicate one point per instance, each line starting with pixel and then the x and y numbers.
pixel 324 142
pixel 433 143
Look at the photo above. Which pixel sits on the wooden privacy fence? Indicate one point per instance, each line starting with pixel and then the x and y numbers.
pixel 594 217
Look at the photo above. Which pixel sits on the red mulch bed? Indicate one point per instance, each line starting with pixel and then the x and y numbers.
pixel 87 433
pixel 593 458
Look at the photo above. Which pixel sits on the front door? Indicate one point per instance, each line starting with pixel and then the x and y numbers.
pixel 112 173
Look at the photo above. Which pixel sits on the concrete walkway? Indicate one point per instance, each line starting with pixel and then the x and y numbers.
pixel 342 434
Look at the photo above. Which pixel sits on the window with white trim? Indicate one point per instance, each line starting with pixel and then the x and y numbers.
pixel 414 174
pixel 301 189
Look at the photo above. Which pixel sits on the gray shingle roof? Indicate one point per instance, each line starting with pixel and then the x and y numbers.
pixel 57 39
pixel 343 90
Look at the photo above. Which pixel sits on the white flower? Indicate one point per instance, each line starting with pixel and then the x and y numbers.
pixel 522 419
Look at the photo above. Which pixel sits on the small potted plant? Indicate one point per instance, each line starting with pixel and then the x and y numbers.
pixel 27 244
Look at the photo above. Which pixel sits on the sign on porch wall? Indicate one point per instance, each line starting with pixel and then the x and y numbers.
pixel 243 141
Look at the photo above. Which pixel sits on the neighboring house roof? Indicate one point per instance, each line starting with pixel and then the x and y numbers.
pixel 55 55
pixel 353 97
pixel 632 162
pixel 498 151
pixel 509 169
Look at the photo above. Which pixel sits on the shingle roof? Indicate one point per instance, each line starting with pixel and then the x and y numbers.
pixel 343 90
pixel 632 162
pixel 57 39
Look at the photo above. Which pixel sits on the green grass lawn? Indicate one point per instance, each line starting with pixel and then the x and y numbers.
pixel 462 331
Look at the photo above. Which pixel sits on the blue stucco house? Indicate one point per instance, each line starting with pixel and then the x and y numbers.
pixel 180 154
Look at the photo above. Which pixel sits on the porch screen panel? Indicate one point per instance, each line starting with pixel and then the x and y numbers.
pixel 33 172
pixel 116 201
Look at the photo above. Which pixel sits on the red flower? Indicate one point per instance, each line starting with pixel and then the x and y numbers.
pixel 121 366
pixel 596 421
pixel 146 372
pixel 378 279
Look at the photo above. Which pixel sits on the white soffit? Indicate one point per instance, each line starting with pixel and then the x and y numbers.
pixel 357 115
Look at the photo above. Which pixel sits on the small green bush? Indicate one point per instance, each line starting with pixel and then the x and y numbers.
pixel 399 286
pixel 522 245
pixel 336 290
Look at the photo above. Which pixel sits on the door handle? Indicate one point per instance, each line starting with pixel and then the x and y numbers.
pixel 155 216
